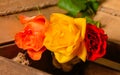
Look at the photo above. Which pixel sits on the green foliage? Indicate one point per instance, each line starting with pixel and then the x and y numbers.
pixel 69 6
pixel 85 7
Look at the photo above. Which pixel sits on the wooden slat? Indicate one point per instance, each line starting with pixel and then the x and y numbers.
pixel 111 23
pixel 8 67
pixel 95 69
pixel 113 4
pixel 13 6
pixel 108 63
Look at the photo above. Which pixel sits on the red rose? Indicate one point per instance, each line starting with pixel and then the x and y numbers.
pixel 95 41
pixel 32 37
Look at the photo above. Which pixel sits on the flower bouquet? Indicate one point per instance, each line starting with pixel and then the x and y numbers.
pixel 70 40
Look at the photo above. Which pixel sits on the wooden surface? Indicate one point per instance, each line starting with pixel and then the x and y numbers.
pixel 13 6
pixel 8 67
pixel 95 69
pixel 108 14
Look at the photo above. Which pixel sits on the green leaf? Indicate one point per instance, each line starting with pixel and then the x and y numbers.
pixel 85 7
pixel 95 6
pixel 84 14
pixel 91 21
pixel 92 0
pixel 81 4
pixel 68 5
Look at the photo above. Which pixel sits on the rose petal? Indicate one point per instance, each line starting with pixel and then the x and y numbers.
pixel 82 53
pixel 36 55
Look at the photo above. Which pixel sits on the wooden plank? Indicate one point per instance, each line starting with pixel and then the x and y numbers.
pixel 8 67
pixel 9 25
pixel 108 63
pixel 111 23
pixel 113 4
pixel 95 69
pixel 13 6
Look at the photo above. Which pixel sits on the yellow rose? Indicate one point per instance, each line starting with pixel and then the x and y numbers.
pixel 65 37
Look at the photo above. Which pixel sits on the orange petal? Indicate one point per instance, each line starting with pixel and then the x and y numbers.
pixel 38 19
pixel 36 55
pixel 22 19
pixel 18 39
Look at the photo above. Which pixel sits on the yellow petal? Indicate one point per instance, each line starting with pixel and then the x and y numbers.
pixel 60 18
pixel 82 53
pixel 61 33
pixel 63 58
pixel 81 22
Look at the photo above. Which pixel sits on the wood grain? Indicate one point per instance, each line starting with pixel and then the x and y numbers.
pixel 113 4
pixel 111 23
pixel 8 67
pixel 13 6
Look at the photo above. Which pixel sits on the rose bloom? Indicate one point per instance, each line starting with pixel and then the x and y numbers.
pixel 95 40
pixel 64 37
pixel 32 37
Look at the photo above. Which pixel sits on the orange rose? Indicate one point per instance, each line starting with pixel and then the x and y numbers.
pixel 32 37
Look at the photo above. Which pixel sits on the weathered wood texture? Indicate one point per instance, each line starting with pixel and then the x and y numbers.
pixel 8 67
pixel 95 69
pixel 113 4
pixel 109 16
pixel 13 6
